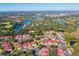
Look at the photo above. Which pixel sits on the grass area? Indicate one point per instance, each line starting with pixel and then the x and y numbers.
pixel 68 37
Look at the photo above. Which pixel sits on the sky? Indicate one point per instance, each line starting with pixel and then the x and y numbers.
pixel 38 6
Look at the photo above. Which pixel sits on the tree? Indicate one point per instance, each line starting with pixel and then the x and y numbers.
pixel 52 50
pixel 41 46
pixel 29 52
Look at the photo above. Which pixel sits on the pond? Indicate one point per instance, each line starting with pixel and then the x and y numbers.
pixel 26 22
pixel 19 26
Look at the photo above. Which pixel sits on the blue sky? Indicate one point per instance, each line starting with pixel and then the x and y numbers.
pixel 38 6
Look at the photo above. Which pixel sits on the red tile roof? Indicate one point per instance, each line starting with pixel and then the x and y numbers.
pixel 44 52
pixel 24 45
pixel 42 41
pixel 21 35
pixel 59 51
pixel 46 41
pixel 29 44
pixel 6 46
pixel 18 45
pixel 33 43
pixel 53 41
pixel 23 40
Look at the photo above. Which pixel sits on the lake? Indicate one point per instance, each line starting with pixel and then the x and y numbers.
pixel 19 26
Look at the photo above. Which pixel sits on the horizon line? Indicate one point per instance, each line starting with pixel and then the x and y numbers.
pixel 38 10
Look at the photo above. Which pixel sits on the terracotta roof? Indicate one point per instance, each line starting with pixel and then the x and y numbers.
pixel 46 41
pixel 59 51
pixel 33 43
pixel 44 52
pixel 6 46
pixel 18 45
pixel 23 40
pixel 53 41
pixel 29 44
pixel 42 41
pixel 24 45
pixel 20 35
